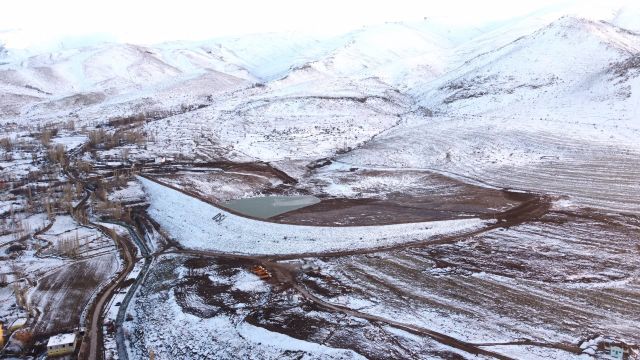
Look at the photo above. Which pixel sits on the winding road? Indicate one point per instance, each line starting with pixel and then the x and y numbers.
pixel 92 345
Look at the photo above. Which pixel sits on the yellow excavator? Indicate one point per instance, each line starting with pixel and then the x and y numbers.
pixel 261 272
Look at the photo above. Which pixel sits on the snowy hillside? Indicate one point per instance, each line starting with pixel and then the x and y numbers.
pixel 628 17
pixel 69 80
pixel 387 51
pixel 276 122
pixel 415 94
pixel 560 66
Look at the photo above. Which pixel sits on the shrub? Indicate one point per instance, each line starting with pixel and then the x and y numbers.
pixel 84 166
pixel 70 125
pixel 6 144
pixel 57 154
pixel 47 135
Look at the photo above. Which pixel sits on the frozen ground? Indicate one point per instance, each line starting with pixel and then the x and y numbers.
pixel 62 292
pixel 56 280
pixel 561 281
pixel 157 308
pixel 218 185
pixel 534 291
pixel 235 314
pixel 594 168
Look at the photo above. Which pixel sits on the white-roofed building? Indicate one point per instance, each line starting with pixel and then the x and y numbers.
pixel 61 344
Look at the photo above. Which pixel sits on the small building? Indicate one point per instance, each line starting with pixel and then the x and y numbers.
pixel 619 351
pixel 62 344
pixel 164 159
pixel 616 352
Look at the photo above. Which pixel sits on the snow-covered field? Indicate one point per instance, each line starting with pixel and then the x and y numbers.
pixel 59 270
pixel 563 280
pixel 594 167
pixel 159 314
pixel 63 292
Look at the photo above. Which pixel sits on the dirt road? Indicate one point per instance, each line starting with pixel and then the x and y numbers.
pixel 92 343
pixel 92 348
pixel 439 337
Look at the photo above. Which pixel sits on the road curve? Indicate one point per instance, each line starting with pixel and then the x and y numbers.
pixel 92 346
pixel 94 330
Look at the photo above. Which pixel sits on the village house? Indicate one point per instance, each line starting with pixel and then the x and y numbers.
pixel 61 344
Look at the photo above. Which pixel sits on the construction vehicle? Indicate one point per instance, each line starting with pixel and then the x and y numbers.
pixel 261 272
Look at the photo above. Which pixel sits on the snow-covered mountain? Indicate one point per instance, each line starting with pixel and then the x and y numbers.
pixel 390 51
pixel 627 17
pixel 111 67
pixel 69 79
pixel 568 64
pixel 443 69
pixel 385 95
pixel 518 137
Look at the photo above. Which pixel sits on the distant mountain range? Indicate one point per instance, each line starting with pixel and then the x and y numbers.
pixel 471 101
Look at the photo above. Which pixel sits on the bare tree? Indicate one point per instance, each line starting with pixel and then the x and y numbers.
pixel 6 144
pixel 70 125
pixel 124 154
pixel 46 135
pixel 57 154
pixel 84 166
pixel 20 291
pixel 69 246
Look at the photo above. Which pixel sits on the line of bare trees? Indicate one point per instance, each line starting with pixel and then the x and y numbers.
pixel 108 140
pixel 69 246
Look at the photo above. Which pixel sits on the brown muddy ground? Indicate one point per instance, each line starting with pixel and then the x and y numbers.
pixel 401 208
pixel 565 278
pixel 542 281
pixel 283 310
pixel 219 186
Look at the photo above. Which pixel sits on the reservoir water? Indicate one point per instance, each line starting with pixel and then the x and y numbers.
pixel 268 206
